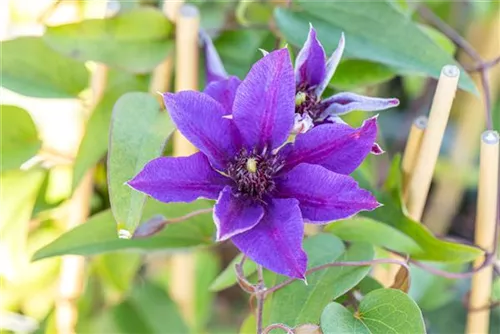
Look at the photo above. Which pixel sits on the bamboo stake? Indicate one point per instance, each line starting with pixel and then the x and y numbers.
pixel 447 196
pixel 162 75
pixel 486 218
pixel 412 149
pixel 187 55
pixel 186 78
pixel 171 8
pixel 421 178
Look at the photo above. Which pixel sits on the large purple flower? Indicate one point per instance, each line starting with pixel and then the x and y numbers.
pixel 265 188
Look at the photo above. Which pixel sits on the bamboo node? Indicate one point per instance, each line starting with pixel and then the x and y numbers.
pixel 189 11
pixel 450 71
pixel 421 122
pixel 490 137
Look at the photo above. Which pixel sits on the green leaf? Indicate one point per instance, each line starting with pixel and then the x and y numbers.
pixel 227 278
pixel 117 270
pixel 404 46
pixel 380 312
pixel 348 277
pixel 17 198
pixel 393 214
pixel 368 284
pixel 206 268
pixel 248 13
pixel 121 41
pixel 239 49
pixel 138 133
pixel 355 73
pixel 95 140
pixel 439 38
pixel 298 303
pixel 98 235
pixel 363 229
pixel 30 67
pixel 18 138
pixel 157 310
pixel 148 309
pixel 432 291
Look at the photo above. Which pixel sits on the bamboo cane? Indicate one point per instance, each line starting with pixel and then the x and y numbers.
pixel 421 178
pixel 412 149
pixel 485 237
pixel 162 74
pixel 72 267
pixel 186 78
pixel 446 197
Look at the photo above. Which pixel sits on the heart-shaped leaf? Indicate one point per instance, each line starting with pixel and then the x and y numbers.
pixel 380 312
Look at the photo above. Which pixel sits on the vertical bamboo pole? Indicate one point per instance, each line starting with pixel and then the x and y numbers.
pixel 72 267
pixel 445 200
pixel 411 152
pixel 421 178
pixel 186 78
pixel 412 149
pixel 162 75
pixel 486 218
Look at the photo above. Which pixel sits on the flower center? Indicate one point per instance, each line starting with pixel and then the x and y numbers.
pixel 306 102
pixel 253 172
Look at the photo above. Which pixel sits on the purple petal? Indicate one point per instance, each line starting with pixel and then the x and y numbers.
pixel 276 241
pixel 310 62
pixel 200 119
pixel 331 66
pixel 337 147
pixel 324 195
pixel 224 91
pixel 376 149
pixel 183 179
pixel 264 106
pixel 213 64
pixel 234 215
pixel 343 103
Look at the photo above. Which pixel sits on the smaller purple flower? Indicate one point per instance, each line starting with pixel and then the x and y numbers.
pixel 264 187
pixel 312 75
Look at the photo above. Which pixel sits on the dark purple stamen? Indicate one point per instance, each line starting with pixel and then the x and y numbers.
pixel 253 172
pixel 310 103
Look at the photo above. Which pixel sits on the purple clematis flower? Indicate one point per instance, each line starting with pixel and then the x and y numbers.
pixel 264 187
pixel 312 75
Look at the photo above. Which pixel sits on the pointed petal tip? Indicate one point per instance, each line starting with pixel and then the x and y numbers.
pixel 394 102
pixel 377 150
pixel 311 29
pixel 264 52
